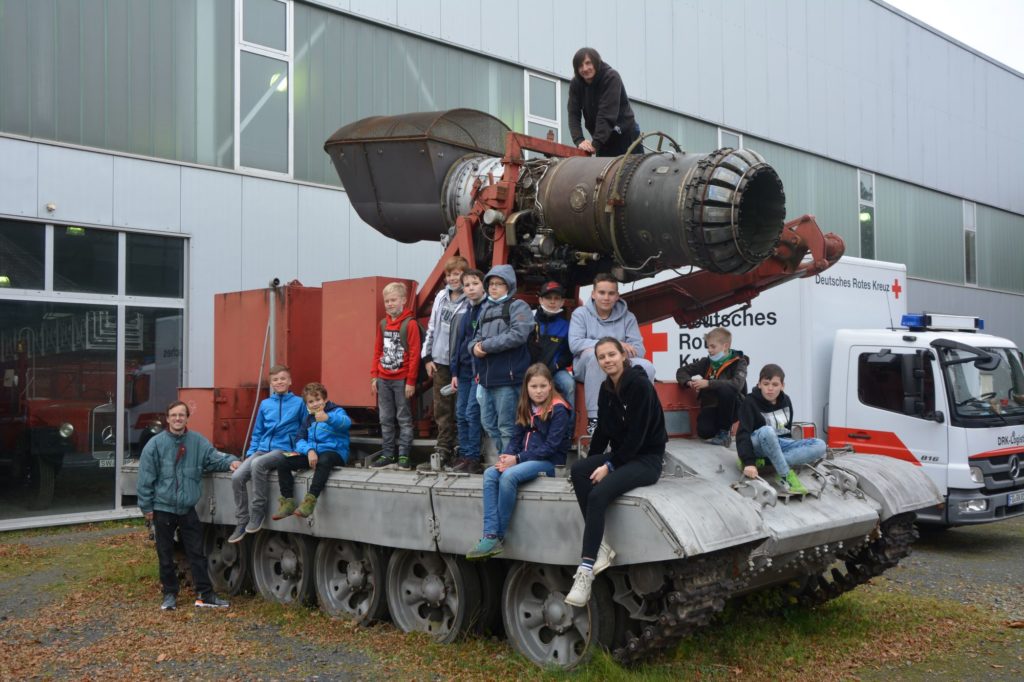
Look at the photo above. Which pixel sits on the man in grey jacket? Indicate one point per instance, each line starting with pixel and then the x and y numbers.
pixel 603 315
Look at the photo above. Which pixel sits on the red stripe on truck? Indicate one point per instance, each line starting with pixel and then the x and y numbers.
pixel 996 453
pixel 868 442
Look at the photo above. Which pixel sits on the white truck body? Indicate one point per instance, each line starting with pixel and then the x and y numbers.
pixel 837 337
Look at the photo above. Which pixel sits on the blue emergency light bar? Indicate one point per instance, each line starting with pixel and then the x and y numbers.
pixel 921 322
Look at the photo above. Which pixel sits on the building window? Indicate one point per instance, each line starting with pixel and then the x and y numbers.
pixel 866 213
pixel 22 255
pixel 84 260
pixel 155 266
pixel 543 107
pixel 263 109
pixel 970 243
pixel 729 138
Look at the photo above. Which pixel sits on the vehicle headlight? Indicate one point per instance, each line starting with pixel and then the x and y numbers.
pixel 973 506
pixel 155 427
pixel 66 430
pixel 976 475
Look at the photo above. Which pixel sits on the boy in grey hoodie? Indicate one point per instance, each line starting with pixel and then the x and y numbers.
pixel 437 351
pixel 603 315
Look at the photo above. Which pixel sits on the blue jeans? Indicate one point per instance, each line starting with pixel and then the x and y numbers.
pixel 498 413
pixel 566 385
pixel 784 453
pixel 500 492
pixel 467 418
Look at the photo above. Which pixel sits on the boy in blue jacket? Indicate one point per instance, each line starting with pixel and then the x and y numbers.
pixel 277 423
pixel 322 445
pixel 170 475
pixel 550 339
pixel 467 408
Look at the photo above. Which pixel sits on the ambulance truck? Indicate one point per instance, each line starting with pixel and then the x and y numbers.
pixel 928 388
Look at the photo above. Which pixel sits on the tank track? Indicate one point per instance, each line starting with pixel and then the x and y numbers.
pixel 893 543
pixel 696 590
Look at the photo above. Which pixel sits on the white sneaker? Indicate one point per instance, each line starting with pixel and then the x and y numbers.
pixel 579 595
pixel 604 557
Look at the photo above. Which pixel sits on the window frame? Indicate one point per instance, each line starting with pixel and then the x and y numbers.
pixel 970 227
pixel 872 204
pixel 286 56
pixel 555 123
pixel 727 131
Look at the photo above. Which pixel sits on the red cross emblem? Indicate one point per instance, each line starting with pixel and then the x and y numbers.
pixel 896 288
pixel 654 342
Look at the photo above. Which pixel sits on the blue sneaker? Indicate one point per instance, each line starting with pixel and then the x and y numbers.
pixel 485 549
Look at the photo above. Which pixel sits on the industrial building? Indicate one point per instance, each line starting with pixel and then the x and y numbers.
pixel 155 153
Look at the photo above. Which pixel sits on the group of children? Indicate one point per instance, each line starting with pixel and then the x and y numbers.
pixel 765 416
pixel 499 367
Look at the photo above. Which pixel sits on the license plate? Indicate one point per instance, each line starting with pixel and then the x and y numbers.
pixel 109 463
pixel 1015 498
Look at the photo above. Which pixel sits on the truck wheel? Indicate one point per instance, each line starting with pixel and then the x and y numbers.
pixel 546 630
pixel 229 565
pixel 350 579
pixel 44 476
pixel 433 593
pixel 282 567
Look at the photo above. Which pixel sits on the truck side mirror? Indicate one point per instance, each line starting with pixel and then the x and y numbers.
pixel 937 416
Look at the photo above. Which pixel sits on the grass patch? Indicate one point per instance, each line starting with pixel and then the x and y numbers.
pixel 105 623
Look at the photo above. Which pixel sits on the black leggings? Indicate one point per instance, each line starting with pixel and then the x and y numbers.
pixel 325 462
pixel 594 499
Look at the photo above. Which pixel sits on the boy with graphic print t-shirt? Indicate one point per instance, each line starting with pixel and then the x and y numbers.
pixel 396 363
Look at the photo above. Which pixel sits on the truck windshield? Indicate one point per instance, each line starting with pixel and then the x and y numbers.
pixel 980 394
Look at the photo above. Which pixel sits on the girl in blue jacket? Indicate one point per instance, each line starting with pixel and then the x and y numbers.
pixel 542 437
pixel 323 443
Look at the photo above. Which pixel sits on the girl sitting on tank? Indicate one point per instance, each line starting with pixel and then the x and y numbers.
pixel 630 419
pixel 543 435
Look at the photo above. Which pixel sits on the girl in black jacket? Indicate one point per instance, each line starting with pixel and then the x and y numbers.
pixel 630 419
pixel 596 94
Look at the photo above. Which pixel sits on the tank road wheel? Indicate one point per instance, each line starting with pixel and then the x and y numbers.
pixel 433 593
pixel 350 580
pixel 542 627
pixel 282 567
pixel 229 564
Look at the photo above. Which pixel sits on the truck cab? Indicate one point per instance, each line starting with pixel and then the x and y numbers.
pixel 944 396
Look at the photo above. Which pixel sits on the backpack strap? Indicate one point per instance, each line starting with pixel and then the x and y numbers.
pixel 403 332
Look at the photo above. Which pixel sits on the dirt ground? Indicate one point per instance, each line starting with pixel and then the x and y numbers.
pixel 83 604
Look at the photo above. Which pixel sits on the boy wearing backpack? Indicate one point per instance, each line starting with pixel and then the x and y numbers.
pixel 396 362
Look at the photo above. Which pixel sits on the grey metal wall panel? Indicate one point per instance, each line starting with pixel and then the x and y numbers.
pixel 1000 243
pixel 499 22
pixel 211 212
pixel 422 16
pixel 323 235
pixel 658 51
pixel 381 10
pixel 998 309
pixel 415 261
pixel 710 71
pixel 685 51
pixel 823 188
pixel 369 252
pixel 147 195
pixel 757 71
pixel 460 22
pixel 19 188
pixel 269 232
pixel 537 35
pixel 628 23
pixel 691 134
pixel 81 184
pixel 921 228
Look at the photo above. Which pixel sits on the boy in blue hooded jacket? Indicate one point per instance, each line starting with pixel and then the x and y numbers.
pixel 277 423
pixel 323 444
pixel 501 353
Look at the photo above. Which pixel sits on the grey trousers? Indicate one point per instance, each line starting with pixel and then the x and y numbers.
pixel 393 405
pixel 256 468
pixel 587 372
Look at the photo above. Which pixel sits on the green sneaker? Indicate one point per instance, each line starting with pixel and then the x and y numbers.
pixel 403 463
pixel 285 507
pixel 792 481
pixel 307 506
pixel 383 461
pixel 485 549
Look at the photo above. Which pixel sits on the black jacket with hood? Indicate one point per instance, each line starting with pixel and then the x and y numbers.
pixel 755 412
pixel 604 104
pixel 631 419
